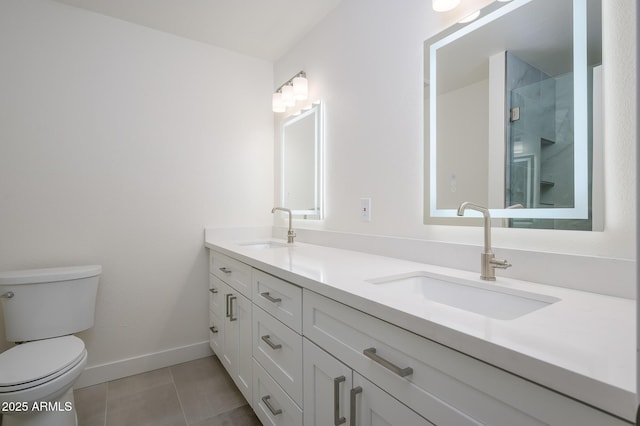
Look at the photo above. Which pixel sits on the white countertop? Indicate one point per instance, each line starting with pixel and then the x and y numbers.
pixel 583 346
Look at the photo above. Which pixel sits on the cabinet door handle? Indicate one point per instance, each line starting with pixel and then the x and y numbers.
pixel 213 290
pixel 231 318
pixel 227 296
pixel 213 329
pixel 337 420
pixel 266 399
pixel 402 372
pixel 352 402
pixel 267 340
pixel 269 298
pixel 225 270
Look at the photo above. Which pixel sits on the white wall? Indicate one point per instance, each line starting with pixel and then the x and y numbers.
pixel 365 61
pixel 118 145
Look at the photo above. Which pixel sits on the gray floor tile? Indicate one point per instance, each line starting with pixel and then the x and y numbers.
pixel 198 393
pixel 157 406
pixel 205 389
pixel 139 382
pixel 242 416
pixel 91 405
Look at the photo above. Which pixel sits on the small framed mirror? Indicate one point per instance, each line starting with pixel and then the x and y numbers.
pixel 301 163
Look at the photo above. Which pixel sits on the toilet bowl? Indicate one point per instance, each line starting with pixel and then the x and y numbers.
pixel 42 308
pixel 34 388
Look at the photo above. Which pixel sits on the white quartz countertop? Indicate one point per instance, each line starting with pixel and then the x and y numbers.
pixel 583 346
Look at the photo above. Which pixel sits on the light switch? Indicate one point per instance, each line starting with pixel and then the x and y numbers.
pixel 365 209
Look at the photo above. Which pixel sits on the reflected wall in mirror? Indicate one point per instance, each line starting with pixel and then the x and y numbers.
pixel 513 115
pixel 301 163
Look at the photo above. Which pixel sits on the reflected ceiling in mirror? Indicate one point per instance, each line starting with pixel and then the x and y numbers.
pixel 509 110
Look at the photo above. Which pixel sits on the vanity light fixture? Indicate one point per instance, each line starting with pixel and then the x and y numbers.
pixel 444 5
pixel 294 89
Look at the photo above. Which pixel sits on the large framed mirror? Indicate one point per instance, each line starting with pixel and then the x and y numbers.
pixel 513 112
pixel 301 163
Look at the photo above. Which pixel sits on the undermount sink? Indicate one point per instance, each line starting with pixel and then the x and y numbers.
pixel 489 300
pixel 263 245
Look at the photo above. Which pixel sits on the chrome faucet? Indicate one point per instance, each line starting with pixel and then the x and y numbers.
pixel 290 234
pixel 488 262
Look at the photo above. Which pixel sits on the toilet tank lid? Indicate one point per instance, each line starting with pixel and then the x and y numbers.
pixel 44 275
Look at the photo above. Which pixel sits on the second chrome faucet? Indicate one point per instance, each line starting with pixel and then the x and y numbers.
pixel 488 261
pixel 290 234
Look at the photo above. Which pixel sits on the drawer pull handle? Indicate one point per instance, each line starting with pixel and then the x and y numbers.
pixel 213 329
pixel 402 372
pixel 352 402
pixel 225 270
pixel 266 399
pixel 231 318
pixel 269 298
pixel 213 290
pixel 337 420
pixel 227 296
pixel 268 341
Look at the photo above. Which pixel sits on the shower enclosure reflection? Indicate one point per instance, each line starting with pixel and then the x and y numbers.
pixel 540 142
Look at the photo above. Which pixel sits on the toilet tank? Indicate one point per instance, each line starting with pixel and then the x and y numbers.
pixel 42 303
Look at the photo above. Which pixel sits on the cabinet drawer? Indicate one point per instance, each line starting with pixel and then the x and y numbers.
pixel 216 333
pixel 270 403
pixel 231 271
pixel 279 350
pixel 444 386
pixel 216 295
pixel 280 298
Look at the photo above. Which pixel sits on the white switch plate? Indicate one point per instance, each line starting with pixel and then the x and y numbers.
pixel 365 209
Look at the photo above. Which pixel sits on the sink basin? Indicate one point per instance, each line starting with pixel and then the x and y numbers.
pixel 263 245
pixel 490 300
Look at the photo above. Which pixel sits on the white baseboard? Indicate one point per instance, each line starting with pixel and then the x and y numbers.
pixel 96 374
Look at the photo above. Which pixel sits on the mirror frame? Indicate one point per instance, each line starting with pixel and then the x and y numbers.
pixel 581 114
pixel 316 111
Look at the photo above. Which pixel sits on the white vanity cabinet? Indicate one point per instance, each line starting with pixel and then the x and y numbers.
pixel 301 358
pixel 442 385
pixel 230 322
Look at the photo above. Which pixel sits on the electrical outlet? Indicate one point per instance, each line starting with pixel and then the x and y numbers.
pixel 365 209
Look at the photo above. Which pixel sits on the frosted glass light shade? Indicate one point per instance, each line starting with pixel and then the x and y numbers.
pixel 444 5
pixel 300 88
pixel 287 96
pixel 276 103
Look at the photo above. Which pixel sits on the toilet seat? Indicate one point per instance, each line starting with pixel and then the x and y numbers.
pixel 34 363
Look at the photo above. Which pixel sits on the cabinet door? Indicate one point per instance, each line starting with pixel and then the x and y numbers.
pixel 230 333
pixel 327 382
pixel 371 406
pixel 238 341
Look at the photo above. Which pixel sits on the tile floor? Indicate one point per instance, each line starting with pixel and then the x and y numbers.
pixel 196 393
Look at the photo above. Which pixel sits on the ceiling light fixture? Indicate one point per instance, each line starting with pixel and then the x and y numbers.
pixel 294 89
pixel 444 5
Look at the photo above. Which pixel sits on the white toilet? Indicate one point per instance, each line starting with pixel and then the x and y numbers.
pixel 42 308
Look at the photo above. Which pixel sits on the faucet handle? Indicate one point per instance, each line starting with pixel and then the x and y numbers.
pixel 500 263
